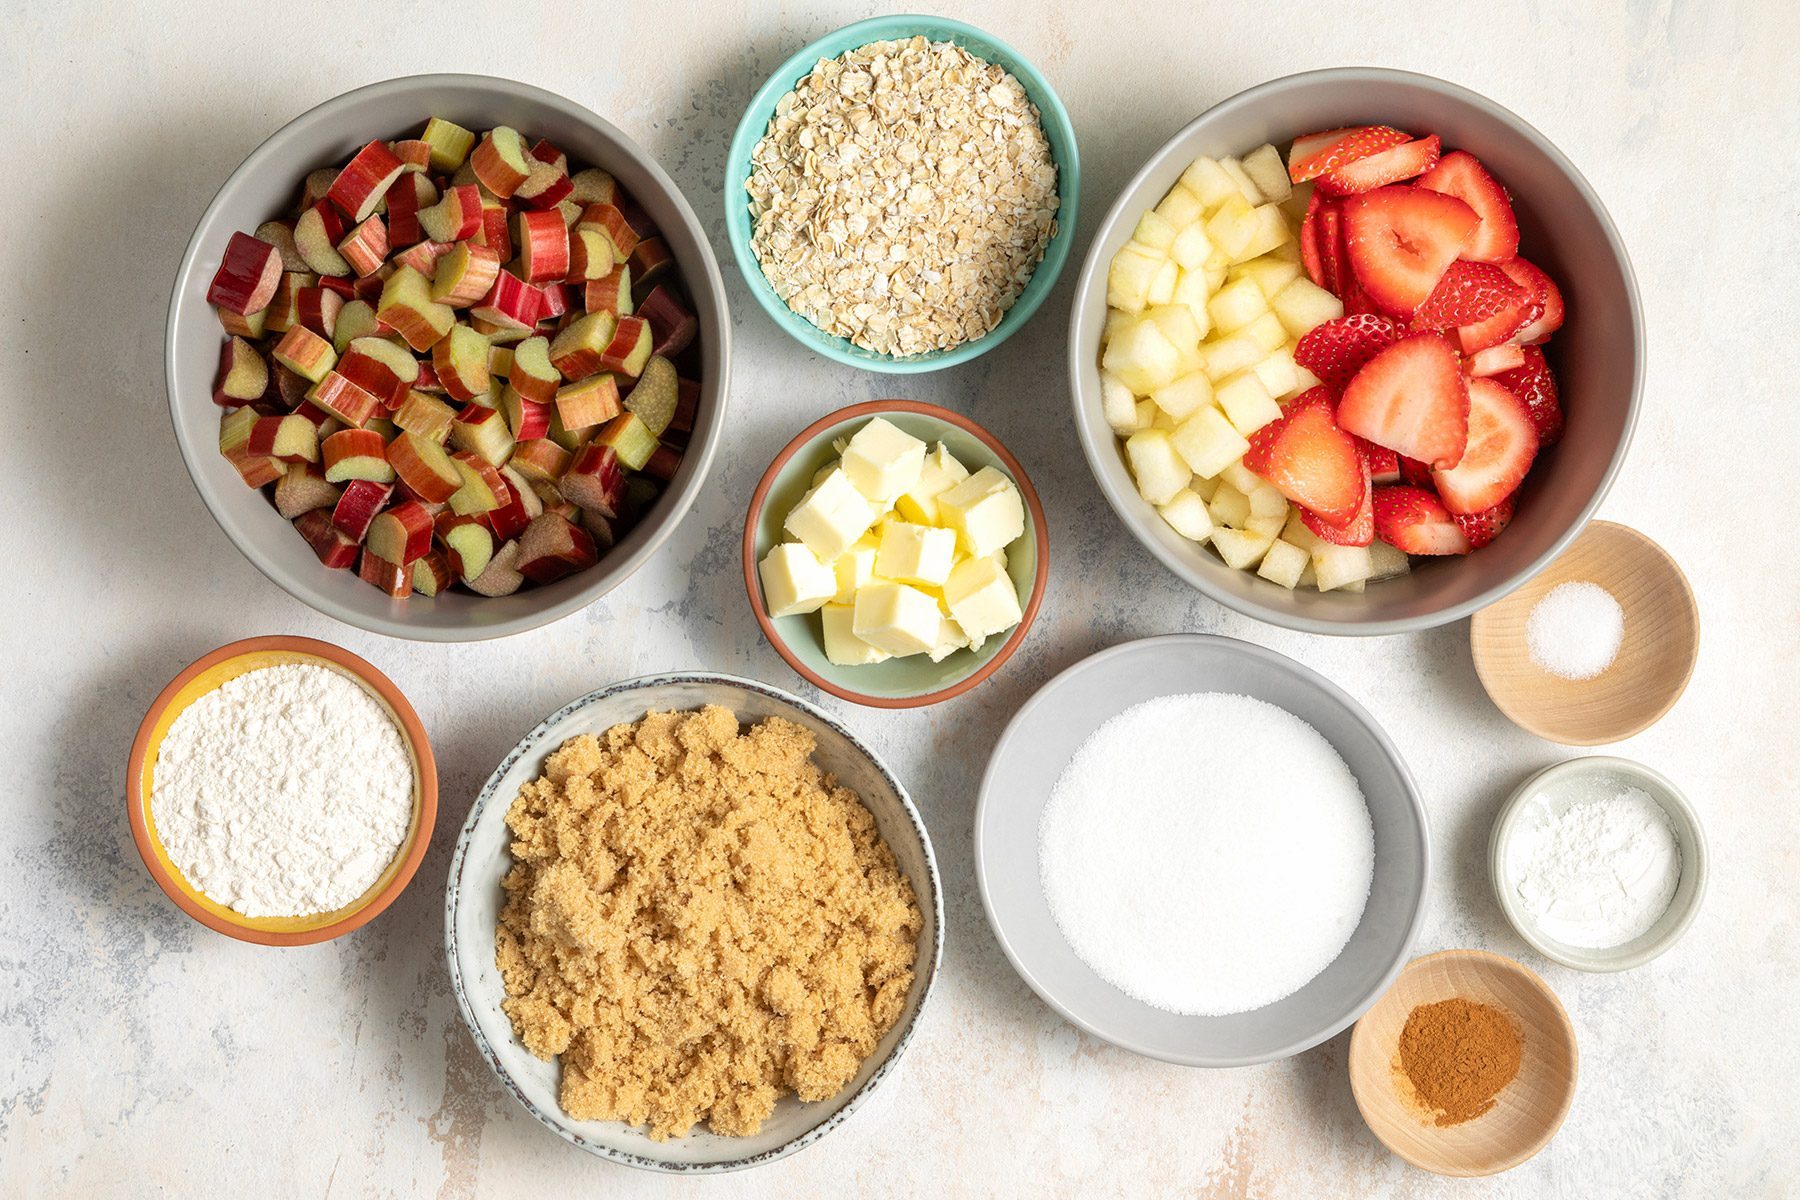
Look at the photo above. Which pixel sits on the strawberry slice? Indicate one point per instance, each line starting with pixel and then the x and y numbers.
pixel 1414 473
pixel 1384 464
pixel 1309 459
pixel 1501 327
pixel 1310 256
pixel 1411 398
pixel 1537 331
pixel 1502 444
pixel 1483 527
pixel 1336 350
pixel 1338 275
pixel 1412 519
pixel 1378 170
pixel 1318 154
pixel 1534 383
pixel 1401 241
pixel 1461 174
pixel 1468 294
pixel 1359 530
pixel 1495 359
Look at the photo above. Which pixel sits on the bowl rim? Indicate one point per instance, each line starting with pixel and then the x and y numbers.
pixel 701 450
pixel 755 121
pixel 1421 897
pixel 1034 506
pixel 1682 815
pixel 1200 576
pixel 532 742
pixel 411 728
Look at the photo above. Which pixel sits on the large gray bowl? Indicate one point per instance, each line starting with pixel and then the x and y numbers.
pixel 1038 744
pixel 1598 355
pixel 264 187
pixel 483 856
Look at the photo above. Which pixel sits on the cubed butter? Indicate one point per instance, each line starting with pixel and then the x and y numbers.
pixel 897 618
pixel 942 471
pixel 982 598
pixel 951 638
pixel 831 517
pixel 882 461
pixel 985 510
pixel 854 568
pixel 795 581
pixel 842 646
pixel 912 553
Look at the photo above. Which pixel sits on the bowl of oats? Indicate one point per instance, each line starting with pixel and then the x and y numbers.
pixel 901 194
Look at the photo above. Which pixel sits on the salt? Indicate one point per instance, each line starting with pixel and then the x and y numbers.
pixel 1597 871
pixel 1206 853
pixel 1575 629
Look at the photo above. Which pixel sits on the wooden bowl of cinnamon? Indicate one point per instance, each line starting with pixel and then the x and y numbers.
pixel 1467 1066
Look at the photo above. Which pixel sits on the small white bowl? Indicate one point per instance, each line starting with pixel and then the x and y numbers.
pixel 1563 780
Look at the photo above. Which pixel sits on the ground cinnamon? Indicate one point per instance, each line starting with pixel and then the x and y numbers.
pixel 1458 1055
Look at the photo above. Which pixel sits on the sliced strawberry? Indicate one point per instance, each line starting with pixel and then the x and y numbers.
pixel 1534 383
pixel 1384 464
pixel 1469 293
pixel 1500 327
pixel 1502 444
pixel 1316 154
pixel 1411 398
pixel 1414 473
pixel 1309 459
pixel 1310 256
pixel 1483 527
pixel 1537 332
pixel 1495 359
pixel 1402 239
pixel 1379 170
pixel 1460 174
pixel 1336 350
pixel 1412 519
pixel 1359 530
pixel 1336 263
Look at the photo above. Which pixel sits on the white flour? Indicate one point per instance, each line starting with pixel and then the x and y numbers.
pixel 285 792
pixel 1598 872
pixel 1206 853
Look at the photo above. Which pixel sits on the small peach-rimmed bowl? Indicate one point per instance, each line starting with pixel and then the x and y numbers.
pixel 212 671
pixel 914 681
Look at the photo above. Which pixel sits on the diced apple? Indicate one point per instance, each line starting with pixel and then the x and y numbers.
pixel 1269 229
pixel 1267 332
pixel 1181 208
pixel 1240 548
pixel 1340 566
pixel 1232 227
pixel 1269 273
pixel 1208 442
pixel 1236 305
pixel 1118 405
pixel 1185 396
pixel 1227 356
pixel 1302 306
pixel 1128 280
pixel 1142 357
pixel 1162 287
pixel 1209 183
pixel 1155 231
pixel 1385 561
pixel 1160 471
pixel 1279 374
pixel 1267 171
pixel 1191 247
pixel 1186 514
pixel 1193 290
pixel 1283 563
pixel 1229 506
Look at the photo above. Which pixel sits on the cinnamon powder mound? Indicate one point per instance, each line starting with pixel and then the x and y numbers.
pixel 1458 1055
pixel 698 921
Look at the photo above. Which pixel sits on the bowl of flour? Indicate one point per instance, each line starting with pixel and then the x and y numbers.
pixel 281 791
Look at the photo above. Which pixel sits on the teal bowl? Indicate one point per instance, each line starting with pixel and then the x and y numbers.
pixel 913 681
pixel 1058 129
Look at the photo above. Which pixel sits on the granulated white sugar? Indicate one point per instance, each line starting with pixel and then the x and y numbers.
pixel 1206 853
pixel 1575 629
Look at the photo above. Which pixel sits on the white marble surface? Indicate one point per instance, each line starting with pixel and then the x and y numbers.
pixel 141 1054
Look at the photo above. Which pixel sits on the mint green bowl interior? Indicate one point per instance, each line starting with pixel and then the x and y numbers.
pixel 915 675
pixel 1057 128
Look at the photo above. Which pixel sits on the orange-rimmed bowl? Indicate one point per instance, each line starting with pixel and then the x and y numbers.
pixel 914 681
pixel 210 672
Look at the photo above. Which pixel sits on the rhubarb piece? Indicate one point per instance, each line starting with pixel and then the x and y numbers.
pixel 588 402
pixel 611 294
pixel 546 186
pixel 664 462
pixel 580 349
pixel 500 161
pixel 608 219
pixel 593 186
pixel 522 507
pixel 411 194
pixel 243 374
pixel 280 234
pixel 531 373
pixel 393 578
pixel 247 276
pixel 630 438
pixel 244 325
pixel 425 467
pixel 365 248
pixel 301 489
pixel 317 309
pixel 468 544
pixel 413 153
pixel 290 388
pixel 380 368
pixel 402 534
pixel 482 488
pixel 590 256
pixel 599 528
pixel 343 399
pixel 501 577
pixel 407 308
pixel 628 350
pixel 360 187
pixel 539 459
pixel 335 548
pixel 552 546
pixel 425 415
pixel 234 442
pixel 546 151
pixel 362 500
pixel 687 405
pixel 356 454
pixel 482 431
pixel 570 439
pixel 315 185
pixel 305 353
pixel 316 235
pixel 283 311
pixel 510 304
pixel 636 218
pixel 461 363
pixel 424 257
pixel 655 395
pixel 672 326
pixel 464 274
pixel 650 261
pixel 456 215
pixel 595 480
pixel 543 243
pixel 554 300
pixel 496 229
pixel 500 361
pixel 289 438
pixel 449 144
pixel 431 573
pixel 527 419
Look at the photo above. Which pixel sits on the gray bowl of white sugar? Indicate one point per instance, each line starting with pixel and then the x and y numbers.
pixel 1201 851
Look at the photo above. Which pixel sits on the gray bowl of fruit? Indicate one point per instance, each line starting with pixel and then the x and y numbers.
pixel 1357 352
pixel 447 357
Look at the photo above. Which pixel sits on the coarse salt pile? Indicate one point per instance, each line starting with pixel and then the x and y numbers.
pixel 1206 853
pixel 1574 630
pixel 284 792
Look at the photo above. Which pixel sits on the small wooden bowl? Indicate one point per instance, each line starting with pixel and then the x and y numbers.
pixel 1656 657
pixel 208 673
pixel 1528 1111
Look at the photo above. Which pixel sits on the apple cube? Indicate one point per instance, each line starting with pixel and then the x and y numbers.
pixel 1241 178
pixel 1303 305
pixel 1185 396
pixel 1118 405
pixel 1236 305
pixel 1233 226
pixel 1241 549
pixel 1340 566
pixel 1209 183
pixel 1128 280
pixel 1227 356
pixel 1155 231
pixel 1269 173
pixel 1283 564
pixel 1142 357
pixel 1269 273
pixel 1385 561
pixel 1279 373
pixel 1181 208
pixel 1247 403
pixel 1186 514
pixel 1161 471
pixel 1229 506
pixel 1208 442
pixel 1193 289
pixel 1191 247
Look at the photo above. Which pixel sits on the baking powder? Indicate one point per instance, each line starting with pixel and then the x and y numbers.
pixel 284 792
pixel 1597 872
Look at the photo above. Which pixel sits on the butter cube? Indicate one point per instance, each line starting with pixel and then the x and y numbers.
pixel 831 517
pixel 912 553
pixel 982 598
pixel 985 510
pixel 854 568
pixel 896 618
pixel 842 646
pixel 883 461
pixel 795 581
pixel 942 471
pixel 951 638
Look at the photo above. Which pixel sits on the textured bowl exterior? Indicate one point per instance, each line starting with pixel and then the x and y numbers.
pixel 473 898
pixel 1598 355
pixel 1058 129
pixel 1031 755
pixel 264 187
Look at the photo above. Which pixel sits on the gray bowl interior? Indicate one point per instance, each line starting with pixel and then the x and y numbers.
pixel 473 900
pixel 1597 355
pixel 1038 744
pixel 266 186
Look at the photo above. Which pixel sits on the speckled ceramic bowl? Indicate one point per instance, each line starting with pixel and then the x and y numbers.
pixel 899 682
pixel 473 899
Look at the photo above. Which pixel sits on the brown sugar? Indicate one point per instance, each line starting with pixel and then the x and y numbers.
pixel 1458 1054
pixel 698 921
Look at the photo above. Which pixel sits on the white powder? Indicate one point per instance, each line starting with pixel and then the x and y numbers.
pixel 1206 853
pixel 284 792
pixel 1575 629
pixel 1597 872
